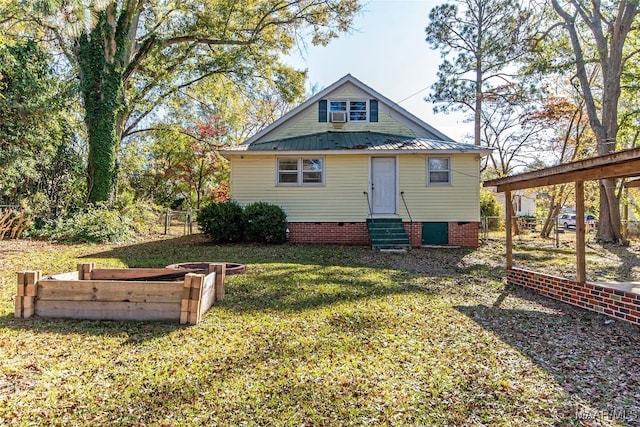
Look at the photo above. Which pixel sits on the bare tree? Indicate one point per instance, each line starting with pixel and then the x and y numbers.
pixel 609 24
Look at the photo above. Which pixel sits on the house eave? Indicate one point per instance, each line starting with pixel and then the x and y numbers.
pixel 228 153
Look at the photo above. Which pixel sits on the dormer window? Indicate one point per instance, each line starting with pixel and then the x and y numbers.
pixel 357 111
pixel 351 111
pixel 342 111
pixel 338 111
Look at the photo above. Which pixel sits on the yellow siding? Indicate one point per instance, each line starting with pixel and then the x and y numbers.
pixel 306 122
pixel 341 199
pixel 459 201
pixel 348 91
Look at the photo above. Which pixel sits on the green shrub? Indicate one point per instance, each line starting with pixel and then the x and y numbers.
pixel 96 224
pixel 142 214
pixel 99 224
pixel 265 223
pixel 491 209
pixel 222 222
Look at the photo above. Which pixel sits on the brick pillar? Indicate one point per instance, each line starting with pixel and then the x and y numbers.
pixel 464 234
pixel 414 232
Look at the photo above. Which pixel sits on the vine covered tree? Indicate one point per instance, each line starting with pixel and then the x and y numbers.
pixel 131 55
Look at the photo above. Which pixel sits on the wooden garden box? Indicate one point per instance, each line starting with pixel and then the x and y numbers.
pixel 120 294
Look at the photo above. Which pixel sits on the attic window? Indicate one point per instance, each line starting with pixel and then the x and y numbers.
pixel 357 111
pixel 352 111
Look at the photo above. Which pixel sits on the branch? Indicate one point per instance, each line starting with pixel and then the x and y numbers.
pixel 129 130
pixel 630 55
pixel 145 48
pixel 206 41
pixel 163 129
pixel 581 69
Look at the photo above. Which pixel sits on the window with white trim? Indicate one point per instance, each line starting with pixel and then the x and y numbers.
pixel 357 111
pixel 354 111
pixel 438 171
pixel 300 171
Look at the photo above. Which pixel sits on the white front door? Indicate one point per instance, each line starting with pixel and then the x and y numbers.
pixel 383 185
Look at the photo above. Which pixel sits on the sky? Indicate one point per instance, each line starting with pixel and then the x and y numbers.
pixel 388 52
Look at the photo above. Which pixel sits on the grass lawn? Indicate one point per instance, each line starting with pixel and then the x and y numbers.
pixel 323 336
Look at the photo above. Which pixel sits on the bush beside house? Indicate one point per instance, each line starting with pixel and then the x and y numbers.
pixel 265 223
pixel 222 222
pixel 228 222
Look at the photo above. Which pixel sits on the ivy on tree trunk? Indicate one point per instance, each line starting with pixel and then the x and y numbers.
pixel 100 57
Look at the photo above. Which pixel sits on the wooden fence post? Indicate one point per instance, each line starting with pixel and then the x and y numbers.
pixel 189 222
pixel 167 222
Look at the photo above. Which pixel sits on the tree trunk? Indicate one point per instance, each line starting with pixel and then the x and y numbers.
pixel 101 63
pixel 610 57
pixel 477 116
pixel 555 204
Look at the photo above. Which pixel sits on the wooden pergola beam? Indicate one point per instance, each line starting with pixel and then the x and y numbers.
pixel 508 204
pixel 621 164
pixel 632 184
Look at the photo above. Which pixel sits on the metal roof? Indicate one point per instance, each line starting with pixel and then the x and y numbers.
pixel 367 141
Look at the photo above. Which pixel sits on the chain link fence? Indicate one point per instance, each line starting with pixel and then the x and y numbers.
pixel 180 222
pixel 493 227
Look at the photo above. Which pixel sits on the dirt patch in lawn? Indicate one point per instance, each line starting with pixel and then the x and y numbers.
pixel 8 247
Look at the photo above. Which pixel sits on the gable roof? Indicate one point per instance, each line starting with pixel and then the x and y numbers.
pixel 354 142
pixel 437 135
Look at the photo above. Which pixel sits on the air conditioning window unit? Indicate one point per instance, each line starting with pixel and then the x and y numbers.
pixel 338 116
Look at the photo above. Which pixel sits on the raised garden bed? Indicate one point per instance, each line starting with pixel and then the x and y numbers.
pixel 165 294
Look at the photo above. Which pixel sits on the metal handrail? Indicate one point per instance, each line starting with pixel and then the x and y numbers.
pixel 368 203
pixel 406 207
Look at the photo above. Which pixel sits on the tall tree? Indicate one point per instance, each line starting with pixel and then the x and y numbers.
pixel 608 24
pixel 479 41
pixel 131 55
pixel 35 127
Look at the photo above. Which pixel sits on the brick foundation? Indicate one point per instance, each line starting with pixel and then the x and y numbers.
pixel 356 233
pixel 464 234
pixel 342 233
pixel 614 303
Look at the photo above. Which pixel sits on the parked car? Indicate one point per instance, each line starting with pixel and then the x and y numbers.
pixel 569 220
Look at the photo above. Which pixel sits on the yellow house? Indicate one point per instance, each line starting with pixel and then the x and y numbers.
pixel 349 166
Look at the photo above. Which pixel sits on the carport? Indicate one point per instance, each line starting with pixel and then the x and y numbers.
pixel 620 300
